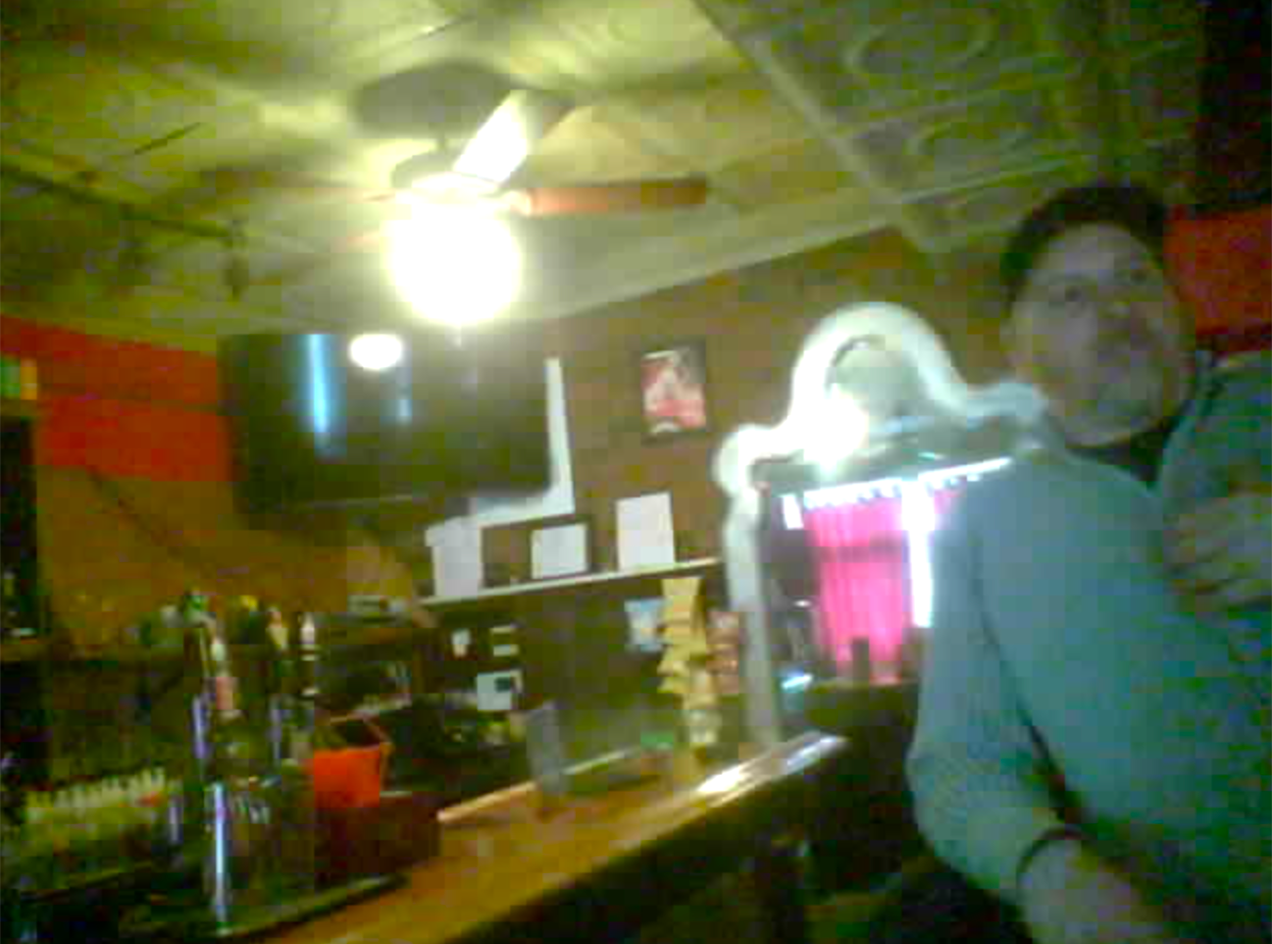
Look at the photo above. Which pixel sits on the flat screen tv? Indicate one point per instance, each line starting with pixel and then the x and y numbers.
pixel 310 428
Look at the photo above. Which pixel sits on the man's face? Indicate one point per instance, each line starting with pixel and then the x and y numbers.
pixel 1098 328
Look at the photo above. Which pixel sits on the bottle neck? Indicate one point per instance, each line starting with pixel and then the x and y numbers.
pixel 291 724
pixel 304 649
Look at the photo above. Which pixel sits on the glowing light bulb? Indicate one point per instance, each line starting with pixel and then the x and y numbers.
pixel 376 352
pixel 454 264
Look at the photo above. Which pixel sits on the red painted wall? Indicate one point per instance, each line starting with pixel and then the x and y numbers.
pixel 123 408
pixel 1222 265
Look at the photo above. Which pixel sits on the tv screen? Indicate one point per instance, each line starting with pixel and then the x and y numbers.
pixel 310 427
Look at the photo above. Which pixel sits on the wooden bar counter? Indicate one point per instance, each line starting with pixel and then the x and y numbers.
pixel 598 868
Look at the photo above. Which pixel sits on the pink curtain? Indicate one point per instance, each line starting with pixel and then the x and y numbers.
pixel 943 498
pixel 862 559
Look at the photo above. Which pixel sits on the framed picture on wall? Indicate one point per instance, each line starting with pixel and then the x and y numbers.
pixel 673 389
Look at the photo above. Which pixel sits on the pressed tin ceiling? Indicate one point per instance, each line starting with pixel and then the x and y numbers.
pixel 148 146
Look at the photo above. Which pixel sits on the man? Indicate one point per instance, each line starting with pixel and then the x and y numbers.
pixel 1093 734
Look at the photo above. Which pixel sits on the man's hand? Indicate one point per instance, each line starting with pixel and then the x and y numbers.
pixel 1221 553
pixel 1071 896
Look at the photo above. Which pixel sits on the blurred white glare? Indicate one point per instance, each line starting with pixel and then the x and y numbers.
pixel 454 264
pixel 446 189
pixel 837 430
pixel 376 352
pixel 722 782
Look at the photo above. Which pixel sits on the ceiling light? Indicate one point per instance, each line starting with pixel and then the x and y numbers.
pixel 376 352
pixel 455 265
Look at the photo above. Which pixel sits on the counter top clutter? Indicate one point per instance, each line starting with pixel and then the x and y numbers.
pixel 593 867
pixel 514 866
pixel 266 830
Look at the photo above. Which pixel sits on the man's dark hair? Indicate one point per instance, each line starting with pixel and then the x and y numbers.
pixel 1132 207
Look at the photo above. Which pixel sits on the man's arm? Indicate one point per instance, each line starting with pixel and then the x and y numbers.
pixel 980 778
pixel 975 767
pixel 1221 552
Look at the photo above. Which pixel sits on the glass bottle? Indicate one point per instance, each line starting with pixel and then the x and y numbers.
pixel 185 833
pixel 304 643
pixel 10 616
pixel 231 741
pixel 19 921
pixel 236 808
pixel 290 785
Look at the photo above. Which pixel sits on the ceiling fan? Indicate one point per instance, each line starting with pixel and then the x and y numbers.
pixel 475 175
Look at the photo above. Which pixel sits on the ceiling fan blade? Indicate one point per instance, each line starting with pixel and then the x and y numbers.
pixel 623 196
pixel 512 131
pixel 227 181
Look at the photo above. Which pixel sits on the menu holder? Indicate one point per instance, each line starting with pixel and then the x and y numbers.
pixel 546 753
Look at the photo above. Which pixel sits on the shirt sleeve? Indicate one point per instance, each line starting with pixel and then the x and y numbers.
pixel 975 767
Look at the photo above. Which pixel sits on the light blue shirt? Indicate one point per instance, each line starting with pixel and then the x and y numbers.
pixel 1059 651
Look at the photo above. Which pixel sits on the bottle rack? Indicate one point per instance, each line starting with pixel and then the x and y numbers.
pixel 23 650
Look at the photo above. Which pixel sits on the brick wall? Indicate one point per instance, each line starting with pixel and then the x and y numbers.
pixel 135 502
pixel 754 321
pixel 134 495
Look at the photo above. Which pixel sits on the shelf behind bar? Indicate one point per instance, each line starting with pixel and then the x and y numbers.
pixel 22 650
pixel 140 655
pixel 534 586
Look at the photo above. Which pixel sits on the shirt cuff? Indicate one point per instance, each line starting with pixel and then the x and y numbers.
pixel 1049 836
pixel 1004 838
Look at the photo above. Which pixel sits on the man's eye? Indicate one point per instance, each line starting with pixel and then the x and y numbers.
pixel 1136 278
pixel 1069 296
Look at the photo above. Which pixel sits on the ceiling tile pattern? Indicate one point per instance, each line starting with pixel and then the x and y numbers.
pixel 150 149
pixel 865 60
pixel 954 118
pixel 958 143
pixel 963 215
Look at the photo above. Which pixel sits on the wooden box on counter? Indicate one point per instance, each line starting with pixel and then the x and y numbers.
pixel 379 839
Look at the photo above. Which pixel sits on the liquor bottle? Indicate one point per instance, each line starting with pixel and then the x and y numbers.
pixel 289 782
pixel 186 834
pixel 276 637
pixel 10 613
pixel 20 856
pixel 232 747
pixel 304 643
pixel 236 808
